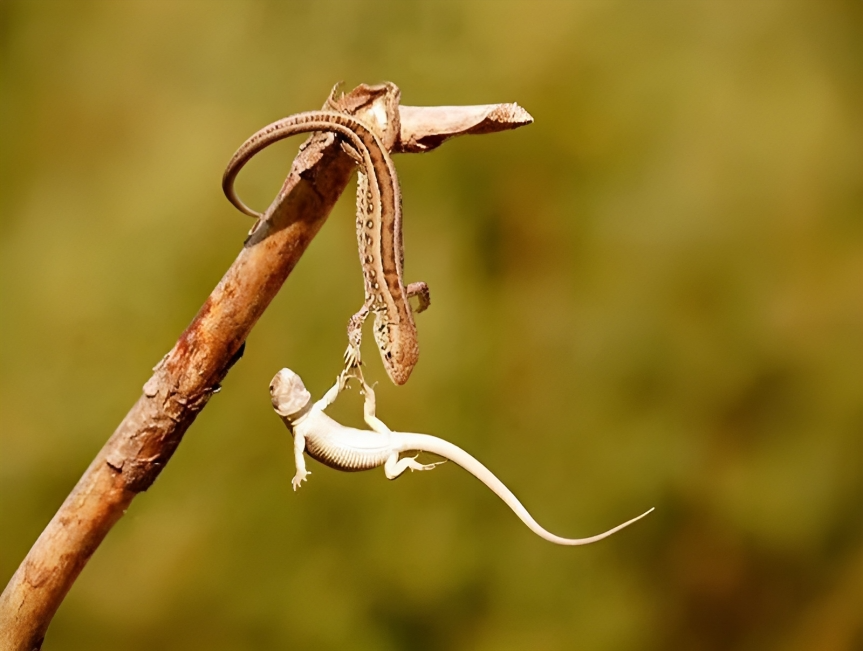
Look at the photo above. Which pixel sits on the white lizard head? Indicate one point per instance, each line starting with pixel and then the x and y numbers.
pixel 288 393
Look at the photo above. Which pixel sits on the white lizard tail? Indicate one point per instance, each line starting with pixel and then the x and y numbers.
pixel 427 443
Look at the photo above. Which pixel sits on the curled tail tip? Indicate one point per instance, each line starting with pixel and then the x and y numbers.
pixel 243 208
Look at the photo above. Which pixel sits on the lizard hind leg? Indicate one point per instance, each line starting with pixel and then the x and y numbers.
pixel 394 467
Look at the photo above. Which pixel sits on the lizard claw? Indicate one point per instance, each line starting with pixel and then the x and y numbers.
pixel 349 373
pixel 352 357
pixel 299 478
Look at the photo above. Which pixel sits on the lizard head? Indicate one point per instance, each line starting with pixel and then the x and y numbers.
pixel 288 393
pixel 399 351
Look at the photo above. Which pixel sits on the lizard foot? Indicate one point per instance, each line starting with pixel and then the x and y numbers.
pixel 352 357
pixel 395 467
pixel 426 466
pixel 415 465
pixel 299 478
pixel 421 291
pixel 355 338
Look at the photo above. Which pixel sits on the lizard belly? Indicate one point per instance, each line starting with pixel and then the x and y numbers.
pixel 363 452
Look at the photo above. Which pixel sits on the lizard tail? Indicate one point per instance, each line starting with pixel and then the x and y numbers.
pixel 447 450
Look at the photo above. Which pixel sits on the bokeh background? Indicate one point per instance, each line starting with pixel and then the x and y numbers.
pixel 653 296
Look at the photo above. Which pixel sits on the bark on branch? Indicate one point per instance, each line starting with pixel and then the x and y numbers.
pixel 186 378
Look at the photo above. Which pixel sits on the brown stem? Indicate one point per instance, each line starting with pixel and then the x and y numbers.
pixel 186 378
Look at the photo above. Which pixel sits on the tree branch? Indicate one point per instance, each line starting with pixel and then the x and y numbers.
pixel 186 378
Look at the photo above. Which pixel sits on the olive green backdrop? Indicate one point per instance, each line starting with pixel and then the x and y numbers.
pixel 653 296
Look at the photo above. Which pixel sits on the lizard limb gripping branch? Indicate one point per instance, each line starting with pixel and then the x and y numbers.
pixel 348 448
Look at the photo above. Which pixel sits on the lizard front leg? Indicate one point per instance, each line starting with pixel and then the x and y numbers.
pixel 341 382
pixel 299 461
pixel 421 291
pixel 353 358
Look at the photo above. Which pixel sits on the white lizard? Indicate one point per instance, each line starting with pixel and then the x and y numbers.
pixel 348 448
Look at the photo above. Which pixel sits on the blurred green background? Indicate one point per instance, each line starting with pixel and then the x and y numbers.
pixel 653 296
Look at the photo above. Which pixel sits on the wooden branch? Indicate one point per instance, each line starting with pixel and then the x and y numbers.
pixel 425 127
pixel 186 378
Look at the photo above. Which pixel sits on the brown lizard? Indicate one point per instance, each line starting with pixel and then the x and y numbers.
pixel 379 235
